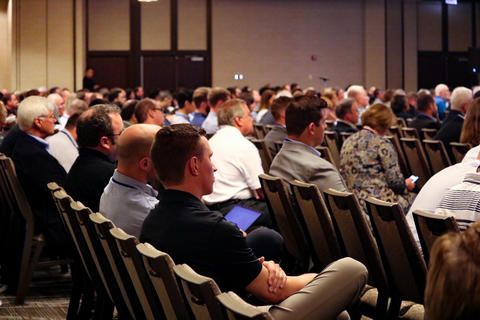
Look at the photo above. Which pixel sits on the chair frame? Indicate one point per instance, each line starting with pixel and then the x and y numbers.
pixel 423 168
pixel 264 152
pixel 435 149
pixel 455 146
pixel 332 141
pixel 237 309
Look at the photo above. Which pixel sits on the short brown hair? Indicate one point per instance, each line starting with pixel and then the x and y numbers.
pixel 423 101
pixel 378 117
pixel 217 94
pixel 200 95
pixel 142 108
pixel 278 105
pixel 94 124
pixel 301 113
pixel 173 147
pixel 344 107
pixel 453 279
pixel 471 125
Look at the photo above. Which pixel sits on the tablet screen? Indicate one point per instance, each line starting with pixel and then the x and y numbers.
pixel 242 217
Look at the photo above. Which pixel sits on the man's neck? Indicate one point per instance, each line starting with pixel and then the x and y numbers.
pixel 36 133
pixel 188 189
pixel 182 111
pixel 133 173
pixel 302 139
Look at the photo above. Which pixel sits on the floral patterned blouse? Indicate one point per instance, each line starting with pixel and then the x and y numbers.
pixel 369 165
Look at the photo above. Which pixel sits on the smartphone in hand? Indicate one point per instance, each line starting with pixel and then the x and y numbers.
pixel 414 178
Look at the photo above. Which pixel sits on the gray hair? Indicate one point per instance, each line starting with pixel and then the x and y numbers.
pixel 229 111
pixel 460 96
pixel 30 108
pixel 344 107
pixel 439 88
pixel 354 90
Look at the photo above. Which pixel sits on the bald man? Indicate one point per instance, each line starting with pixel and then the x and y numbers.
pixel 128 198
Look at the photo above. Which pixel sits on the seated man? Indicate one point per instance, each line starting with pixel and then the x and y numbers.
pixel 128 198
pixel 279 131
pixel 182 226
pixel 98 129
pixel 149 111
pixel 200 99
pixel 36 167
pixel 347 116
pixel 185 105
pixel 426 117
pixel 216 98
pixel 238 163
pixel 298 159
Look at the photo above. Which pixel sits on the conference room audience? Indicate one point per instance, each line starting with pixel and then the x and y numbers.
pixel 278 133
pixel 347 116
pixel 298 159
pixel 400 107
pixel 453 278
pixel 471 126
pixel 216 97
pixel 185 107
pixel 98 130
pixel 369 163
pixel 266 100
pixel 452 124
pixel 185 228
pixel 200 100
pixel 358 93
pixel 149 111
pixel 128 198
pixel 426 116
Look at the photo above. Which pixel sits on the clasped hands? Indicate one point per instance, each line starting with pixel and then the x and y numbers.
pixel 276 276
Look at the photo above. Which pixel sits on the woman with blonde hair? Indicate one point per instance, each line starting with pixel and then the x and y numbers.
pixel 369 163
pixel 330 97
pixel 266 100
pixel 471 126
pixel 453 280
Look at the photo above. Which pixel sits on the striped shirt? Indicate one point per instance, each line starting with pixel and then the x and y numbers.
pixel 462 201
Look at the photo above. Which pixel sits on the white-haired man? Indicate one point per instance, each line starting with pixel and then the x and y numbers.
pixel 36 167
pixel 442 94
pixel 452 125
pixel 60 103
pixel 358 93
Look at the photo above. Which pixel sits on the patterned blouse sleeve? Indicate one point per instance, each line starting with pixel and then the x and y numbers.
pixel 389 160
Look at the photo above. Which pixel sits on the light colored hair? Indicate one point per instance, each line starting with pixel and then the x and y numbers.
pixel 471 125
pixel 229 111
pixel 439 88
pixel 378 117
pixel 354 90
pixel 31 108
pixel 460 96
pixel 453 279
pixel 3 113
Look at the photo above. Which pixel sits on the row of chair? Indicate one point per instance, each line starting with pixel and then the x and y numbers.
pixel 326 230
pixel 139 280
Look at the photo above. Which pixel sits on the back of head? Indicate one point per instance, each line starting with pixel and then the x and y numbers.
pixel 460 96
pixel 217 94
pixel 344 107
pixel 399 103
pixel 265 98
pixel 424 101
pixel 247 97
pixel 471 125
pixel 128 109
pixel 378 117
pixel 113 94
pixel 77 106
pixel 439 88
pixel 182 97
pixel 200 95
pixel 354 90
pixel 278 106
pixel 142 108
pixel 180 142
pixel 135 143
pixel 31 108
pixel 94 124
pixel 453 279
pixel 229 111
pixel 302 112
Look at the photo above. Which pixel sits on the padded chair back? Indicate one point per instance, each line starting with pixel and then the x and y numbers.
pixel 459 150
pixel 237 309
pixel 416 159
pixel 402 161
pixel 437 155
pixel 325 154
pixel 409 132
pixel 430 227
pixel 315 218
pixel 331 139
pixel 127 290
pixel 403 263
pixel 282 210
pixel 127 247
pixel 429 133
pixel 395 131
pixel 401 122
pixel 200 292
pixel 264 153
pixel 259 131
pixel 357 238
pixel 330 124
pixel 159 268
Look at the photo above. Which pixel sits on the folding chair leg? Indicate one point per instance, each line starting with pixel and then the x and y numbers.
pixel 87 301
pixel 381 307
pixel 104 307
pixel 26 272
pixel 394 308
pixel 79 278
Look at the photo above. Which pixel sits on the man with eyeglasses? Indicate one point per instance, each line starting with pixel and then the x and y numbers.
pixel 36 167
pixel 148 111
pixel 98 130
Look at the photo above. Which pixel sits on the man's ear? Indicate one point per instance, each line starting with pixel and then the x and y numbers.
pixel 311 128
pixel 238 121
pixel 145 163
pixel 193 166
pixel 37 123
pixel 104 142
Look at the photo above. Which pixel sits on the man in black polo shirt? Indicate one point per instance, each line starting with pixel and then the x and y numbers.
pixel 185 228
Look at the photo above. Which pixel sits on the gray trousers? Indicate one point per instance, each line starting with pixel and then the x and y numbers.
pixel 331 292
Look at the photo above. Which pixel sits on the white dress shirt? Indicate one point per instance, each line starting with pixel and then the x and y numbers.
pixel 64 148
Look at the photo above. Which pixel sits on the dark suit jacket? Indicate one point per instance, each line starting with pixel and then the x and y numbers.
pixel 9 141
pixel 343 126
pixel 277 134
pixel 35 168
pixel 424 121
pixel 89 175
pixel 451 130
